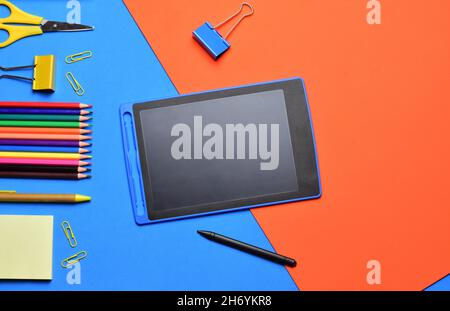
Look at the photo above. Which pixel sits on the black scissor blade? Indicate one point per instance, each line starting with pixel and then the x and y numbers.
pixel 50 26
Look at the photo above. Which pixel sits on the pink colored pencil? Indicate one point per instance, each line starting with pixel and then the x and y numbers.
pixel 43 136
pixel 52 162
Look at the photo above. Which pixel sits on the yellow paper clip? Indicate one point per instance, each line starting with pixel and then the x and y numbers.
pixel 78 56
pixel 75 84
pixel 69 233
pixel 69 261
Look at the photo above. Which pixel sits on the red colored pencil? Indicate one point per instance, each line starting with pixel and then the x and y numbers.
pixel 44 130
pixel 57 105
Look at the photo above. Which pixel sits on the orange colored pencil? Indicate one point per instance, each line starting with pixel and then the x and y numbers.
pixel 44 130
pixel 42 136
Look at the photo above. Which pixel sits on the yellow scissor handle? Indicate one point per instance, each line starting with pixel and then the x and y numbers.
pixel 18 32
pixel 17 16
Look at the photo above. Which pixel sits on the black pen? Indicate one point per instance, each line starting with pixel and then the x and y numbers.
pixel 260 252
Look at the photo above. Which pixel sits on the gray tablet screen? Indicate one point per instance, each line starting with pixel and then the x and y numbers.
pixel 217 150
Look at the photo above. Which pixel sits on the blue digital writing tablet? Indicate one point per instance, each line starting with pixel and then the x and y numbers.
pixel 221 150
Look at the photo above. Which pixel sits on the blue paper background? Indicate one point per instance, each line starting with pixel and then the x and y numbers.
pixel 121 255
pixel 441 285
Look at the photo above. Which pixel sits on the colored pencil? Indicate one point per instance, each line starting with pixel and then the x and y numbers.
pixel 42 198
pixel 54 162
pixel 36 142
pixel 43 149
pixel 43 123
pixel 44 117
pixel 46 130
pixel 43 111
pixel 44 155
pixel 42 168
pixel 41 175
pixel 42 136
pixel 45 105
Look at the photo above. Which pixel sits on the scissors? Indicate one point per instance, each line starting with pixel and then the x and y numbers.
pixel 16 25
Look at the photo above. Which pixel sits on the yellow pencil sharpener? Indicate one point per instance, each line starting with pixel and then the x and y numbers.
pixel 44 73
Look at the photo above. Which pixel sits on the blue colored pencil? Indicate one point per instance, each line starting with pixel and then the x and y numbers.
pixel 14 148
pixel 42 111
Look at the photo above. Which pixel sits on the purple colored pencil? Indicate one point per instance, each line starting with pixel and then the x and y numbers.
pixel 39 111
pixel 60 143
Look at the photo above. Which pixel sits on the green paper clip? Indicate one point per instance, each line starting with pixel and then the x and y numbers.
pixel 78 57
pixel 69 261
pixel 69 233
pixel 75 84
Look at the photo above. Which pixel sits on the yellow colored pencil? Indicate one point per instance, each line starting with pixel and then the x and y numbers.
pixel 44 155
pixel 12 196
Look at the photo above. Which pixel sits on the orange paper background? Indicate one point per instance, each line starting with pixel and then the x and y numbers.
pixel 380 105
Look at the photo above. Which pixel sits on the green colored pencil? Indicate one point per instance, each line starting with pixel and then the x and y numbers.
pixel 43 117
pixel 43 124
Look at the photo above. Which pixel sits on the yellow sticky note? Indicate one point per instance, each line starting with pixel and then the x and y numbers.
pixel 26 247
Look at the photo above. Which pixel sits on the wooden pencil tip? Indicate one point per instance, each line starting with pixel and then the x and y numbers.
pixel 83 137
pixel 85 106
pixel 84 156
pixel 84 163
pixel 84 112
pixel 83 150
pixel 83 176
pixel 84 144
pixel 82 170
pixel 83 125
pixel 83 131
pixel 82 198
pixel 84 118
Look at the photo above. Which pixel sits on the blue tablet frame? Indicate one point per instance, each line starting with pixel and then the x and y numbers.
pixel 134 170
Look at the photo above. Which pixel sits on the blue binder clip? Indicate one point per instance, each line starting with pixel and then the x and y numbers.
pixel 211 40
